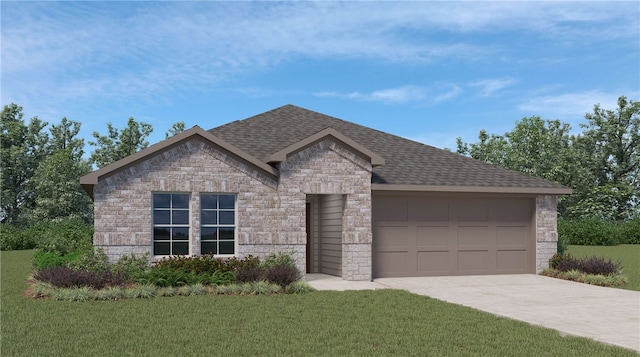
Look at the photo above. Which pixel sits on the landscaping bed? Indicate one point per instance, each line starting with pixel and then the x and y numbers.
pixel 323 323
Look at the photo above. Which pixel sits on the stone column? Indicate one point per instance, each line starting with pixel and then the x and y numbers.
pixel 546 230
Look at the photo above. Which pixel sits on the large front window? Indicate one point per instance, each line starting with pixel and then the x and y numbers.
pixel 170 224
pixel 217 224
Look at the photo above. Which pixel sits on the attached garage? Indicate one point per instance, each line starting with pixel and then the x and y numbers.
pixel 439 234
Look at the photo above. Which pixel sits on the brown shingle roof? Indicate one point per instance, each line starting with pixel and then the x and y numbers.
pixel 406 162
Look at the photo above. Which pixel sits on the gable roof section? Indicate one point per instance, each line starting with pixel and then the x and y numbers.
pixel 91 179
pixel 408 165
pixel 281 155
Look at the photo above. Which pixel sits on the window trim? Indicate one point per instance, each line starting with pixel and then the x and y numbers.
pixel 218 225
pixel 171 225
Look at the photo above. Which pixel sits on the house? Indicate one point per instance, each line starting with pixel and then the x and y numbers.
pixel 345 199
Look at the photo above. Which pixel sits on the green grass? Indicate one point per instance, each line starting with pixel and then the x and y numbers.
pixel 364 323
pixel 628 254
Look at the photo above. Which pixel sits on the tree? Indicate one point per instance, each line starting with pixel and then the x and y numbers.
pixel 64 137
pixel 22 148
pixel 58 193
pixel 601 164
pixel 176 128
pixel 119 144
pixel 610 147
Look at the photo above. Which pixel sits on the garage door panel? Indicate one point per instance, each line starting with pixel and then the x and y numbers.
pixel 391 264
pixel 436 210
pixel 390 209
pixel 472 236
pixel 434 262
pixel 473 210
pixel 513 210
pixel 511 260
pixel 387 237
pixel 473 261
pixel 510 236
pixel 437 236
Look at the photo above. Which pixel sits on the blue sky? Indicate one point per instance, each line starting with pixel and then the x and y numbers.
pixel 428 71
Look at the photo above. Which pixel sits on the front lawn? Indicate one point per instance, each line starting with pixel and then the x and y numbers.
pixel 627 254
pixel 363 323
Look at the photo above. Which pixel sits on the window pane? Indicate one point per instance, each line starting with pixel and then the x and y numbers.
pixel 180 200
pixel 227 217
pixel 161 248
pixel 227 201
pixel 181 248
pixel 180 217
pixel 161 200
pixel 208 233
pixel 208 248
pixel 161 217
pixel 209 201
pixel 161 233
pixel 226 247
pixel 209 217
pixel 181 233
pixel 226 233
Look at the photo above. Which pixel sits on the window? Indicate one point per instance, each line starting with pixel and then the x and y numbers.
pixel 170 224
pixel 217 224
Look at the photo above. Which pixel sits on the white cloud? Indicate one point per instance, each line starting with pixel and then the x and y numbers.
pixel 399 95
pixel 569 106
pixel 488 87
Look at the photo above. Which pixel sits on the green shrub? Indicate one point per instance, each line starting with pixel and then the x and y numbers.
pixel 131 265
pixel 91 260
pixel 206 263
pixel 13 238
pixel 588 231
pixel 279 259
pixel 629 231
pixel 298 287
pixel 43 260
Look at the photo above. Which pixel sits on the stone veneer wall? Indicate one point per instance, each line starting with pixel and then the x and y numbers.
pixel 328 168
pixel 270 215
pixel 546 230
pixel 122 201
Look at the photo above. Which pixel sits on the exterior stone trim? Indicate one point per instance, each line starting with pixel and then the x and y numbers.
pixel 546 230
pixel 356 262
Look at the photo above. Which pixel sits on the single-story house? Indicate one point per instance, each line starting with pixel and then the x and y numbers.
pixel 344 199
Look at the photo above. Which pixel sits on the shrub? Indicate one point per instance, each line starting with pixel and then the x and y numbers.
pixel 42 260
pixel 91 260
pixel 599 266
pixel 587 265
pixel 279 259
pixel 247 273
pixel 66 278
pixel 131 265
pixel 62 237
pixel 298 287
pixel 206 263
pixel 13 238
pixel 282 274
pixel 629 231
pixel 588 231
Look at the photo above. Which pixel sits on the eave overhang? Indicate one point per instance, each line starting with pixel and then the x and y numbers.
pixel 472 189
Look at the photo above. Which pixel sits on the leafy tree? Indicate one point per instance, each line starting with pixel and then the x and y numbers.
pixel 22 148
pixel 58 193
pixel 176 128
pixel 610 147
pixel 64 136
pixel 601 165
pixel 119 144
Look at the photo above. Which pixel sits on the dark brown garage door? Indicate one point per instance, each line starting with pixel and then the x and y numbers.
pixel 422 236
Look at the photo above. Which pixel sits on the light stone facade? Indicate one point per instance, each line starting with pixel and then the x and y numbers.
pixel 270 211
pixel 546 230
pixel 270 214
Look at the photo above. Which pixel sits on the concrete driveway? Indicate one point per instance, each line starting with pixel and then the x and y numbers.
pixel 608 315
